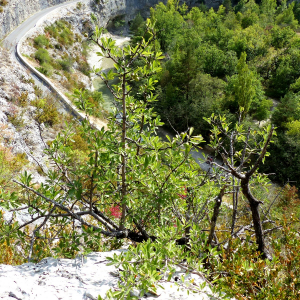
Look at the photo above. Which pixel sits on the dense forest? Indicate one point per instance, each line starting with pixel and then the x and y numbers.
pixel 218 60
pixel 228 78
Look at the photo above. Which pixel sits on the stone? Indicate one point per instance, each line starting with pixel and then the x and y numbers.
pixel 27 138
pixel 79 278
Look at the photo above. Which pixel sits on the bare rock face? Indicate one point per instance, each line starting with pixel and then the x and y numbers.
pixel 16 11
pixel 79 279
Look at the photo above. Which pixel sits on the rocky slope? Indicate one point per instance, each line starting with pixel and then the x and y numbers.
pixel 19 131
pixel 67 44
pixel 81 279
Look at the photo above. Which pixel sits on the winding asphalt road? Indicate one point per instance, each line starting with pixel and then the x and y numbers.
pixel 12 39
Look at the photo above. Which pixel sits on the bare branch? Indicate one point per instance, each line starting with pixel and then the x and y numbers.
pixel 262 154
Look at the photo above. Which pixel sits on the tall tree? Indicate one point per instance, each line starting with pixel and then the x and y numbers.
pixel 244 91
pixel 129 180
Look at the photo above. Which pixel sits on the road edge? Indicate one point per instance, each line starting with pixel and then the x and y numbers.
pixel 70 106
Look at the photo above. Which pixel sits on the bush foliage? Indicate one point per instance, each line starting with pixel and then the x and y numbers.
pixel 200 42
pixel 42 55
pixel 41 41
pixel 46 111
pixel 127 183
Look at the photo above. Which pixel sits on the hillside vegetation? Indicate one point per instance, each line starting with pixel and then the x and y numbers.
pixel 59 50
pixel 205 73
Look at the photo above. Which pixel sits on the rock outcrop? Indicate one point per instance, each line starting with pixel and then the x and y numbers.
pixel 16 11
pixel 80 279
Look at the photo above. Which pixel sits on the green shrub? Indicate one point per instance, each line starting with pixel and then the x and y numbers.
pixel 55 64
pixel 27 80
pixel 85 48
pixel 78 38
pixel 42 55
pixel 61 24
pixel 23 99
pixel 51 30
pixel 41 41
pixel 118 22
pixel 84 67
pixel 67 85
pixel 2 3
pixel 9 163
pixel 281 37
pixel 38 91
pixel 137 22
pixel 58 46
pixel 45 69
pixel 247 276
pixel 9 254
pixel 66 64
pixel 78 142
pixel 46 111
pixel 66 37
pixel 62 31
pixel 79 5
pixel 16 120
